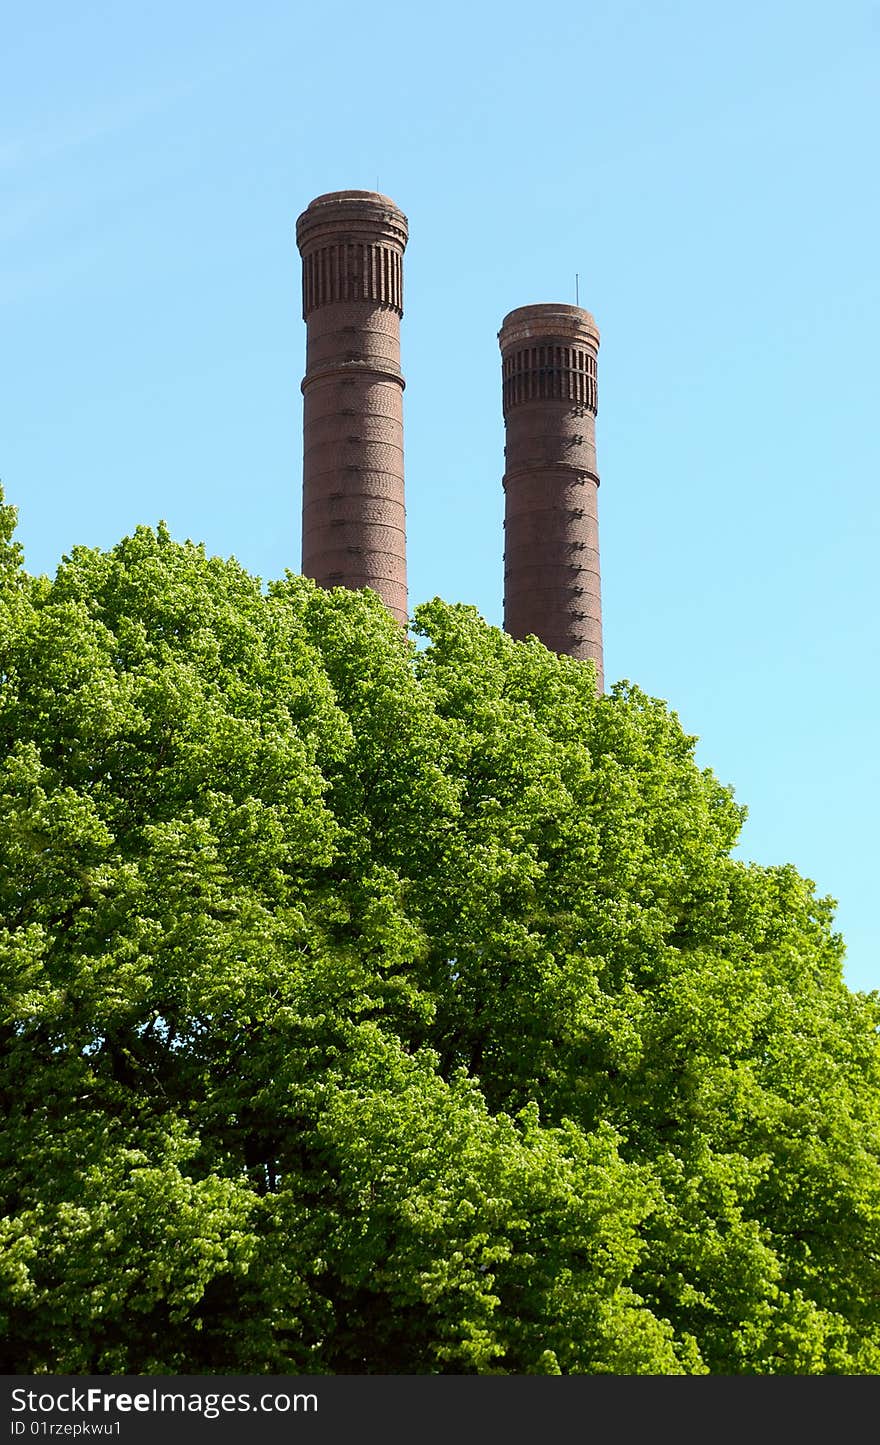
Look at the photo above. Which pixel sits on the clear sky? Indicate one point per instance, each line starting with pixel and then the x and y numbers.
pixel 709 171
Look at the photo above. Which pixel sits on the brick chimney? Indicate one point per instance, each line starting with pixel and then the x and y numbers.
pixel 551 543
pixel 354 535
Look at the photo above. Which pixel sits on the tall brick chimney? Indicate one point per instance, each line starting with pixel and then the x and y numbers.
pixel 551 554
pixel 352 245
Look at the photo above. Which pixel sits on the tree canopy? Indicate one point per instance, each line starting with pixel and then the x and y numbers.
pixel 373 1007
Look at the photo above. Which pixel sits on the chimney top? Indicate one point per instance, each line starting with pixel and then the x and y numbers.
pixel 353 212
pixel 548 318
pixel 351 196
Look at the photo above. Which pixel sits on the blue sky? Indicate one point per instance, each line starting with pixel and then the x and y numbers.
pixel 711 174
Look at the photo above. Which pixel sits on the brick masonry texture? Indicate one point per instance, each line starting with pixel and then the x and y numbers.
pixel 551 540
pixel 354 521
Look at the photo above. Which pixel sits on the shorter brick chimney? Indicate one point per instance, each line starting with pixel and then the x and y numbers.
pixel 551 540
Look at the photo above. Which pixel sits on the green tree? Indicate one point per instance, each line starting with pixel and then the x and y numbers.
pixel 375 1009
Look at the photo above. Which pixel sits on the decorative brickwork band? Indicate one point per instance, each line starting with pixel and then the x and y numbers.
pixel 352 271
pixel 354 521
pixel 551 555
pixel 561 373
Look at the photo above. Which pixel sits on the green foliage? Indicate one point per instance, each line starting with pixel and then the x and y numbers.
pixel 368 1009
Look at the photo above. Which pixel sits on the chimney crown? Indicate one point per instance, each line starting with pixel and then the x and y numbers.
pixel 356 215
pixel 548 320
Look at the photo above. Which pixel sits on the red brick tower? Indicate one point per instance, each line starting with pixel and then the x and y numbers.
pixel 352 245
pixel 551 554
